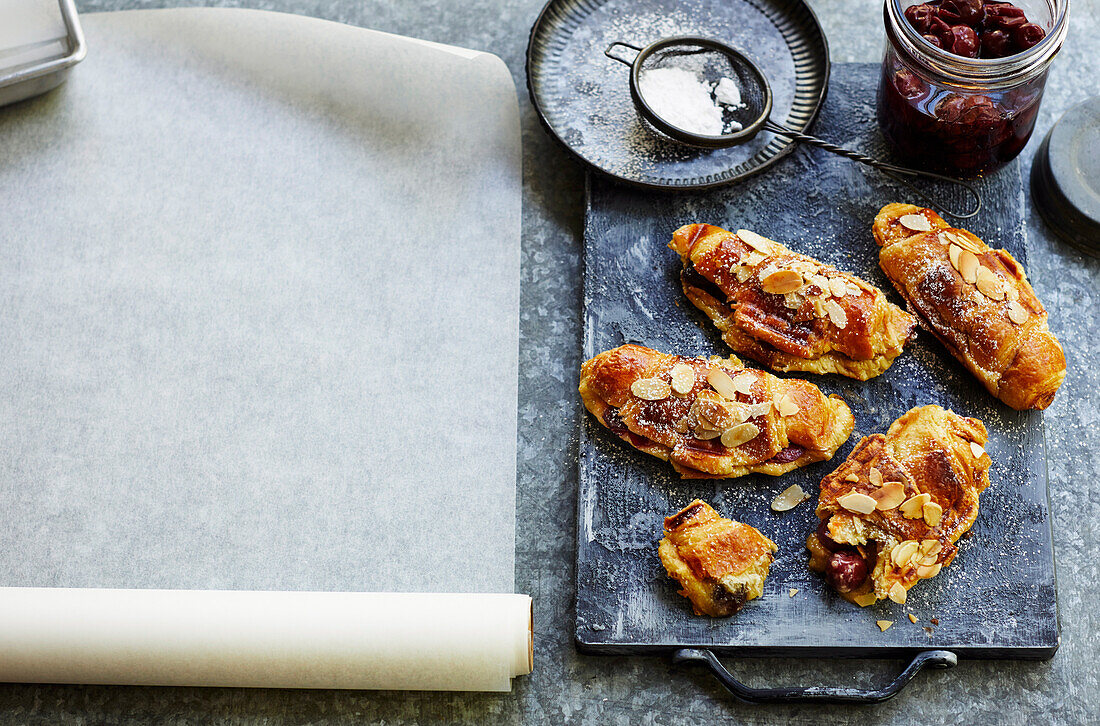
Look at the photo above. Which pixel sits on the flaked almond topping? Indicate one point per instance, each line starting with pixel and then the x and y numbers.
pixel 968 266
pixel 856 502
pixel 720 381
pixel 930 546
pixel 976 449
pixel 752 239
pixel 953 253
pixel 836 313
pixel 875 476
pixel 794 300
pixel 990 284
pixel 739 434
pixel 782 282
pixel 854 290
pixel 683 425
pixel 759 409
pixel 928 560
pixel 902 553
pixel 963 240
pixel 1016 312
pixel 1012 293
pixel 916 222
pixel 913 507
pixel 650 389
pixel 742 382
pixel 852 478
pixel 702 432
pixel 819 308
pixel 683 378
pixel 744 272
pixel 789 498
pixel 948 236
pixel 838 286
pixel 912 618
pixel 786 406
pixel 822 282
pixel 889 495
pixel 753 259
pixel 932 514
pixel 897 593
pixel 884 625
pixel 926 571
pixel 793 591
pixel 719 414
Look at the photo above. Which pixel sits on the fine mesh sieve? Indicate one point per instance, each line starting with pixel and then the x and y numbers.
pixel 710 61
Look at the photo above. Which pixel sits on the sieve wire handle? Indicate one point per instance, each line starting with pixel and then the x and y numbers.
pixel 897 173
pixel 622 60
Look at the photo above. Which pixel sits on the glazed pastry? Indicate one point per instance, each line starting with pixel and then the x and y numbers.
pixel 786 310
pixel 976 300
pixel 720 564
pixel 890 515
pixel 712 419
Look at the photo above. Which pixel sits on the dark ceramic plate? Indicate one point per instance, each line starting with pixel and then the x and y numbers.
pixel 583 97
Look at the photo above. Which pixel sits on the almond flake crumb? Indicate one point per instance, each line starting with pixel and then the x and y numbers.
pixel 793 591
pixel 789 498
pixel 884 625
pixel 912 618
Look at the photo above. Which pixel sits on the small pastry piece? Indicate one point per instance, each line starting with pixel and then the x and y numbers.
pixel 712 419
pixel 720 564
pixel 786 310
pixel 976 300
pixel 890 515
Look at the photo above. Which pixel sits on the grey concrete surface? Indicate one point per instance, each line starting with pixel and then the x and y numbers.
pixel 569 688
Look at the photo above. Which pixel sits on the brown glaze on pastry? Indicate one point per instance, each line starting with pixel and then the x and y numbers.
pixel 771 425
pixel 720 564
pixel 923 479
pixel 976 300
pixel 786 310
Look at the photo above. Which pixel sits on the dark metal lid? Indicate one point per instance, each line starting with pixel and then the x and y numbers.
pixel 1065 177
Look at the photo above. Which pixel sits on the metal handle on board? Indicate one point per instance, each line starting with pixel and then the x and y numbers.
pixel 814 694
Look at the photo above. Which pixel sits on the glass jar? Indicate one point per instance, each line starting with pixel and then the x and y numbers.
pixel 956 115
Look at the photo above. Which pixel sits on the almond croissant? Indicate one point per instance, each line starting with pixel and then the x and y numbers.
pixel 712 418
pixel 976 300
pixel 786 310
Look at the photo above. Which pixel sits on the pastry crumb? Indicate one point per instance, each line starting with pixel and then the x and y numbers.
pixel 883 625
pixel 935 621
pixel 912 618
pixel 793 591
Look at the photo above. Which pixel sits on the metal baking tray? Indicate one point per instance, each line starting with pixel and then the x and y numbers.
pixel 997 600
pixel 19 81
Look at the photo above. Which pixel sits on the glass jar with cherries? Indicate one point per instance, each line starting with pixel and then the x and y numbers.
pixel 962 79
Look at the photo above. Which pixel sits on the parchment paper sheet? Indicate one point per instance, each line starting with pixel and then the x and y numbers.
pixel 259 309
pixel 404 641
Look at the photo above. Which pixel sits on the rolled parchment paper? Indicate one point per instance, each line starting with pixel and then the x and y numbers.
pixel 399 641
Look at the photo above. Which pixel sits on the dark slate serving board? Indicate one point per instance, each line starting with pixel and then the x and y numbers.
pixel 996 600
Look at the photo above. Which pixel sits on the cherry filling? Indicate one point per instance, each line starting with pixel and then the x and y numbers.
pixel 844 567
pixel 950 130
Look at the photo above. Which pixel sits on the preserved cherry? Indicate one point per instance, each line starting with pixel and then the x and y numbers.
pixel 826 540
pixel 959 129
pixel 846 570
pixel 973 29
